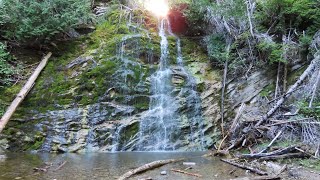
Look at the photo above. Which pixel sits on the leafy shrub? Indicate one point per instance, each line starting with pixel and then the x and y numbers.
pixel 216 48
pixel 310 112
pixel 6 70
pixel 40 20
pixel 271 51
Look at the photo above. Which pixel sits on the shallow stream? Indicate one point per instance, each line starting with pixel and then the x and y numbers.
pixel 110 166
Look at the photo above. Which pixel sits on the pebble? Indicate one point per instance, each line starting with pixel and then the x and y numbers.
pixel 163 173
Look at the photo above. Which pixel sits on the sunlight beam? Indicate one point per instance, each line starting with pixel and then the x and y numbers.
pixel 159 7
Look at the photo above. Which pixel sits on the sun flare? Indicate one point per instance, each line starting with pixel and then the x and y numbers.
pixel 159 7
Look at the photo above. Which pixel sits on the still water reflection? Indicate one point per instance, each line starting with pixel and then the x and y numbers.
pixel 105 165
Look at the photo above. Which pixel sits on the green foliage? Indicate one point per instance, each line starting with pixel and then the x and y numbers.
pixel 201 12
pixel 216 48
pixel 40 20
pixel 267 90
pixel 282 16
pixel 314 111
pixel 305 41
pixel 271 51
pixel 6 70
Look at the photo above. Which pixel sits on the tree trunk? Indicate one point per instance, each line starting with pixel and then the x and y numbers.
pixel 315 89
pixel 225 72
pixel 285 77
pixel 23 92
pixel 305 74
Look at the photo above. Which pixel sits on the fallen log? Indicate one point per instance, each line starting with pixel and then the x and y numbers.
pixel 242 166
pixel 265 178
pixel 185 172
pixel 285 122
pixel 273 153
pixel 285 156
pixel 305 74
pixel 23 92
pixel 147 167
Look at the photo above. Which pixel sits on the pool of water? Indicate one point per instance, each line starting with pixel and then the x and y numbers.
pixel 110 166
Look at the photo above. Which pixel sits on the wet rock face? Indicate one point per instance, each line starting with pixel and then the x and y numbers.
pixel 98 100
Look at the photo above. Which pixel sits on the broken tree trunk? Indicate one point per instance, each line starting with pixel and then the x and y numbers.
pixel 305 74
pixel 315 89
pixel 278 80
pixel 273 153
pixel 23 92
pixel 225 72
pixel 147 167
pixel 270 144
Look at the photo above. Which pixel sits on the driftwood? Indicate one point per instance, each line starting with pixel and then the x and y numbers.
pixel 285 122
pixel 255 170
pixel 185 172
pixel 61 165
pixel 147 167
pixel 285 156
pixel 265 178
pixel 305 74
pixel 43 168
pixel 273 153
pixel 23 92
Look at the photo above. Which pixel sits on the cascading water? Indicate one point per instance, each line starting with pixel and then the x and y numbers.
pixel 160 128
pixel 128 52
pixel 159 125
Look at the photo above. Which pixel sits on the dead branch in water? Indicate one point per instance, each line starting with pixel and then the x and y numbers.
pixel 185 172
pixel 242 166
pixel 61 165
pixel 147 167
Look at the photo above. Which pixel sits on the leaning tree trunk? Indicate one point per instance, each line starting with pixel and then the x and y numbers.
pixel 315 87
pixel 224 81
pixel 23 92
pixel 305 74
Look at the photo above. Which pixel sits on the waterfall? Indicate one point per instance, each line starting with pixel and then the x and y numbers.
pixel 128 50
pixel 159 124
